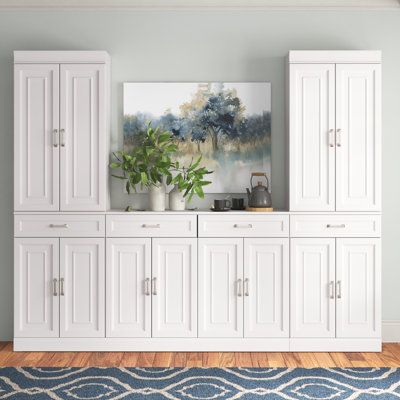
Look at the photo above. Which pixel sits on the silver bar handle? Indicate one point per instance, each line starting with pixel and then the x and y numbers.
pixel 331 137
pixel 339 289
pixel 62 137
pixel 243 226
pixel 332 289
pixel 55 137
pixel 151 226
pixel 154 286
pixel 336 226
pixel 239 288
pixel 62 287
pixel 338 137
pixel 147 286
pixel 246 287
pixel 58 225
pixel 55 287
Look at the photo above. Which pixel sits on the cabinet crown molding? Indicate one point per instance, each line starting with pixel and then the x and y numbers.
pixel 203 4
pixel 57 57
pixel 335 56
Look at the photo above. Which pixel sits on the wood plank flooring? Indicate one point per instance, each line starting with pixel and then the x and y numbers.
pixel 390 357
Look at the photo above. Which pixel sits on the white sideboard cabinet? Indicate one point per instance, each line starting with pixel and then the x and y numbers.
pixel 88 278
pixel 59 287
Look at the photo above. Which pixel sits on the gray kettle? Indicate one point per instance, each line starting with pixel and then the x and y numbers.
pixel 259 195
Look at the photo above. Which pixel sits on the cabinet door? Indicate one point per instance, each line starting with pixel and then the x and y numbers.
pixel 128 287
pixel 36 288
pixel 83 137
pixel 36 157
pixel 82 287
pixel 266 287
pixel 358 294
pixel 358 140
pixel 312 278
pixel 174 287
pixel 221 287
pixel 312 148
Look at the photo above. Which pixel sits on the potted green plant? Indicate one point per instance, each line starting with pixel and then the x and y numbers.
pixel 147 165
pixel 188 182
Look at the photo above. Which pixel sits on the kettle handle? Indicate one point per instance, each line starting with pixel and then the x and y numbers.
pixel 253 174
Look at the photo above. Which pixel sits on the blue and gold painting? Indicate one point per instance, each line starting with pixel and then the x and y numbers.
pixel 228 123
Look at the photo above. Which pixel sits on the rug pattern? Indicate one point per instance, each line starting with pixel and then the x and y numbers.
pixel 200 383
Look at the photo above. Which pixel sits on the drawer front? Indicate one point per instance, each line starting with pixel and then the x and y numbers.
pixel 335 225
pixel 243 225
pixel 59 225
pixel 151 225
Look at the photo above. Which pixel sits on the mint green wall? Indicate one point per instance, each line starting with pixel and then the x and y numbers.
pixel 187 46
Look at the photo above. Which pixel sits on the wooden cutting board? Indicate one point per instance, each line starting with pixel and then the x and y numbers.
pixel 260 209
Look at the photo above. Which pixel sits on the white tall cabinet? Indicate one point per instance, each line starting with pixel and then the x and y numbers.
pixel 92 279
pixel 334 197
pixel 61 134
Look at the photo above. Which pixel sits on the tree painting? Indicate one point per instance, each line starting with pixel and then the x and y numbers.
pixel 228 123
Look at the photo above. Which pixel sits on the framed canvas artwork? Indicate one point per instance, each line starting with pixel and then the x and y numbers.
pixel 228 123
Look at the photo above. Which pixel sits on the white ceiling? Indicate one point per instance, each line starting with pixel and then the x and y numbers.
pixel 204 4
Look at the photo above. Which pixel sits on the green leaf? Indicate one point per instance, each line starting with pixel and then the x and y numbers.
pixel 128 188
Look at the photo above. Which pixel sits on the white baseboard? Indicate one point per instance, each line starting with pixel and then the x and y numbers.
pixel 390 331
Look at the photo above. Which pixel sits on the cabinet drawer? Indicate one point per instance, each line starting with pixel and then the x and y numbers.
pixel 338 225
pixel 59 225
pixel 243 225
pixel 151 225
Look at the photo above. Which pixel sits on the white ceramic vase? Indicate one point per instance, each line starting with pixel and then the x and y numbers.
pixel 176 200
pixel 157 197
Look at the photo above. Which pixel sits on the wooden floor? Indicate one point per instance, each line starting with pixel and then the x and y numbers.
pixel 390 357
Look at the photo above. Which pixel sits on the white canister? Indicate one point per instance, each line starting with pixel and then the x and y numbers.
pixel 157 197
pixel 176 200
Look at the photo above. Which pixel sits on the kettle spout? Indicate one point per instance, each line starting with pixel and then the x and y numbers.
pixel 248 193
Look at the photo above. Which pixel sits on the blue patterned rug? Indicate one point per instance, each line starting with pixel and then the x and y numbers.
pixel 199 383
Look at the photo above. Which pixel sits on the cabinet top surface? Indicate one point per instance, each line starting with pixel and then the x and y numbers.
pixel 197 212
pixel 335 56
pixel 32 57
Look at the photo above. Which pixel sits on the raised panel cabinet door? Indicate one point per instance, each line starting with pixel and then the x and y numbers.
pixel 128 272
pixel 358 290
pixel 82 287
pixel 358 137
pixel 174 287
pixel 312 137
pixel 36 301
pixel 36 141
pixel 221 287
pixel 266 287
pixel 312 280
pixel 83 137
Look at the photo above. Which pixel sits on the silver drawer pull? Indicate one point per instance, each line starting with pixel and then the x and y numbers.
pixel 331 137
pixel 246 287
pixel 61 286
pixel 55 287
pixel 243 226
pixel 339 289
pixel 336 226
pixel 147 286
pixel 62 137
pixel 58 225
pixel 338 138
pixel 332 290
pixel 55 138
pixel 154 286
pixel 239 288
pixel 151 226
